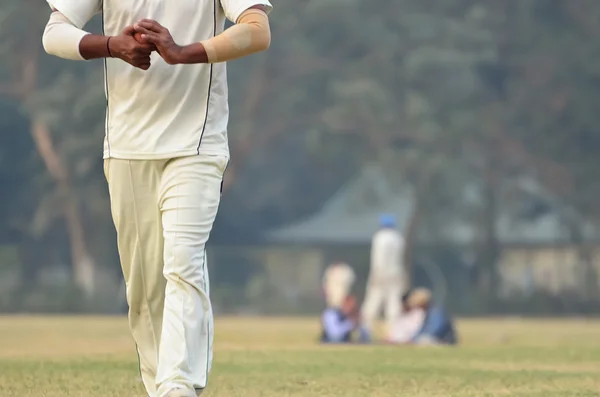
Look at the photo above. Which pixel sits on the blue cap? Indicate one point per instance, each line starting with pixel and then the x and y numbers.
pixel 387 220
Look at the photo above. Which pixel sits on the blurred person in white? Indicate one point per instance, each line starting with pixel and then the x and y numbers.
pixel 165 152
pixel 337 283
pixel 386 276
pixel 408 323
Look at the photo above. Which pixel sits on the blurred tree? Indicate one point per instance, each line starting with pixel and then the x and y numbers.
pixel 554 53
pixel 55 99
pixel 445 94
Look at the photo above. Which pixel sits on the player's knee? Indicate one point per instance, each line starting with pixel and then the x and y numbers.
pixel 186 264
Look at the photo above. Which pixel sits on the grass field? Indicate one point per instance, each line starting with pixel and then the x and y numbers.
pixel 93 357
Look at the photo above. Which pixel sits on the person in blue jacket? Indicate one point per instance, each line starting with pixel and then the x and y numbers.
pixel 339 323
pixel 438 327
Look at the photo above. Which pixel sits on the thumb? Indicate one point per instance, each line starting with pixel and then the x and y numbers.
pixel 129 31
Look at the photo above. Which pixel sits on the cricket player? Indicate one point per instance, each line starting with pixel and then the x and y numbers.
pixel 337 283
pixel 165 154
pixel 386 276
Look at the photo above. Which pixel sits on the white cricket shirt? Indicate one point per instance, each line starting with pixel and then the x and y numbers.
pixel 339 274
pixel 407 326
pixel 169 110
pixel 387 250
pixel 337 283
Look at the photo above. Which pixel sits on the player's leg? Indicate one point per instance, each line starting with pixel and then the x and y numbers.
pixel 392 309
pixel 133 187
pixel 372 306
pixel 190 196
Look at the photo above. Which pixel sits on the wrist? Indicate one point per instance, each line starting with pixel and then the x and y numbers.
pixel 192 53
pixel 109 50
pixel 93 46
pixel 113 45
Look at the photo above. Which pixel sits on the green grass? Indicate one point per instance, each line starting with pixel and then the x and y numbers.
pixel 93 357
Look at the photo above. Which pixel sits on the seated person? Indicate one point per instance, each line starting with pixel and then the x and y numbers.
pixel 338 323
pixel 408 324
pixel 438 327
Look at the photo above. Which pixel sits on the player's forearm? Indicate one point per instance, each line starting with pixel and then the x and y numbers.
pixel 94 46
pixel 251 34
pixel 65 40
pixel 194 53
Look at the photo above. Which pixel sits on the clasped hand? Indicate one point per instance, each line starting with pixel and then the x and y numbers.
pixel 136 42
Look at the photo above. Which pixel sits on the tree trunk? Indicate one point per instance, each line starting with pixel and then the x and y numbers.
pixel 28 259
pixel 585 260
pixel 23 88
pixel 489 253
pixel 82 261
pixel 412 227
pixel 590 274
pixel 411 237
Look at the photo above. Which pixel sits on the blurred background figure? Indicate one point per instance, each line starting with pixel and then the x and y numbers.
pixel 337 283
pixel 386 275
pixel 339 323
pixel 438 327
pixel 408 324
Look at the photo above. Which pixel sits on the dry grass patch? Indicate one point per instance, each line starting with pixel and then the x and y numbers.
pixel 265 357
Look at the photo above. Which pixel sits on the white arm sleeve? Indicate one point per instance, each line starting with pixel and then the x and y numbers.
pixel 61 37
pixel 79 12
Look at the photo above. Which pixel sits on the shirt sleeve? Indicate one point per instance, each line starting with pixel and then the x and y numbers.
pixel 334 328
pixel 79 12
pixel 234 8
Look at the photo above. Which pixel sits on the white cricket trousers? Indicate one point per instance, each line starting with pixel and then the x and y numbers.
pixel 163 212
pixel 384 295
